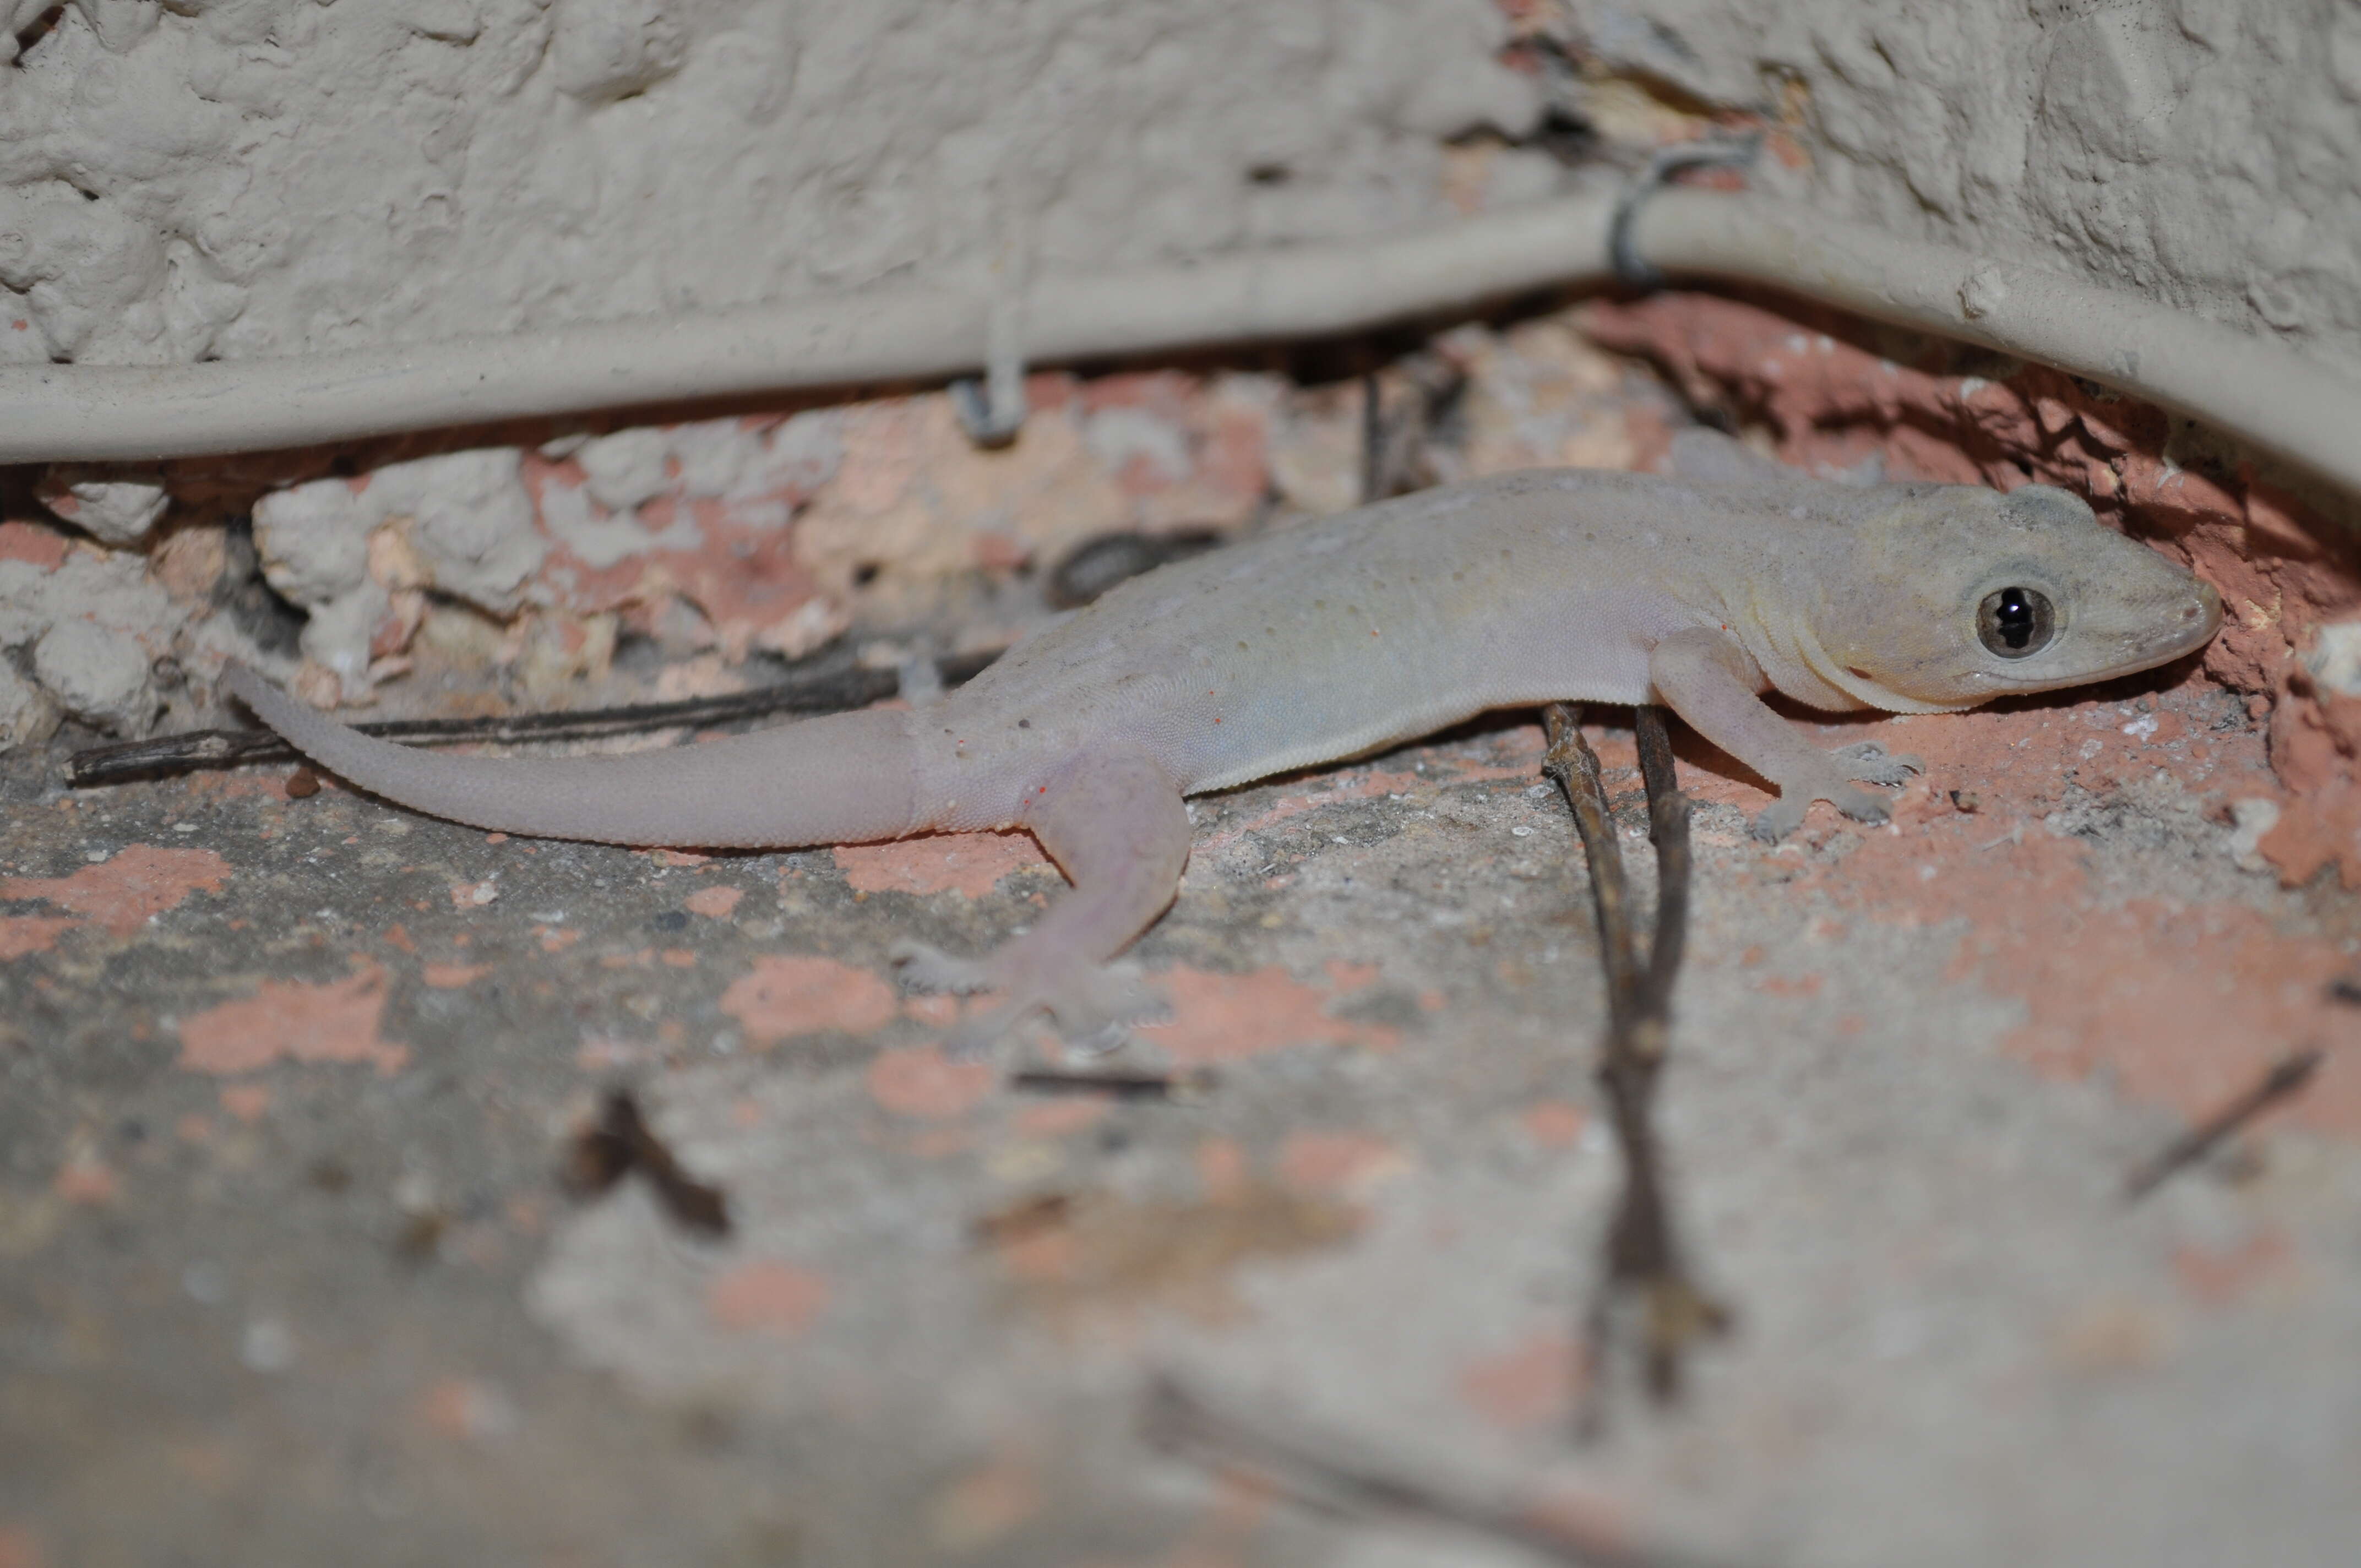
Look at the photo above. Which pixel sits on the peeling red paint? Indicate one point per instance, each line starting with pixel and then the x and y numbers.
pixel 45 548
pixel 21 934
pixel 1058 1119
pixel 790 994
pixel 970 864
pixel 18 1548
pixel 1554 1123
pixel 463 1409
pixel 126 892
pixel 2219 1278
pixel 85 1178
pixel 335 1021
pixel 1526 1386
pixel 766 1297
pixel 1341 1163
pixel 2184 1002
pixel 1221 1017
pixel 919 1081
pixel 714 902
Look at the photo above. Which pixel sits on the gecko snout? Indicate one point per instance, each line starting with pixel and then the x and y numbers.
pixel 2208 608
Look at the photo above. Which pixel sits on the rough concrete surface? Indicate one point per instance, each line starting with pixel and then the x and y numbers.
pixel 288 1277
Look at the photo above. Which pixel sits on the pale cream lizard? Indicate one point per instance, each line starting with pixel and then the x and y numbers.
pixel 1334 638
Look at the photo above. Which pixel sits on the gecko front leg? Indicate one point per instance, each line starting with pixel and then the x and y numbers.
pixel 1709 680
pixel 1115 825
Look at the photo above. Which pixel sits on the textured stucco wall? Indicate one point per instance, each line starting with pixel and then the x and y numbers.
pixel 2202 151
pixel 236 178
pixel 243 177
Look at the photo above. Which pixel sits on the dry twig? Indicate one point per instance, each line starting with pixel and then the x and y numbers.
pixel 1316 1473
pixel 1188 1085
pixel 828 681
pixel 2287 1076
pixel 622 1142
pixel 1643 1256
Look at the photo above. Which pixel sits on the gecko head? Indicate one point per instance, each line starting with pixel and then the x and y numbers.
pixel 1965 595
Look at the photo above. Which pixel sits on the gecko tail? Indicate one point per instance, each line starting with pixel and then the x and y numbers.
pixel 843 778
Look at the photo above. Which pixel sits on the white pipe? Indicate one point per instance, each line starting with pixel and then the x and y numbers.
pixel 2271 397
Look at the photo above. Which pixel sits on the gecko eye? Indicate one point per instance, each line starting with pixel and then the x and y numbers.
pixel 2015 622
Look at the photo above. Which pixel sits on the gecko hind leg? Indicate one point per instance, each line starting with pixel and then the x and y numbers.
pixel 1115 825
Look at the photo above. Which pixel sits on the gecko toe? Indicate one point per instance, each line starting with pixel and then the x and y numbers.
pixel 1860 805
pixel 925 969
pixel 1869 762
pixel 1095 1009
pixel 1778 819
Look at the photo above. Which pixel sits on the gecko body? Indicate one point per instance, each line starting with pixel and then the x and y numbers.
pixel 1701 590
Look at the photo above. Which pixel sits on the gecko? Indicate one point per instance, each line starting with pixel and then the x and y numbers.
pixel 1700 589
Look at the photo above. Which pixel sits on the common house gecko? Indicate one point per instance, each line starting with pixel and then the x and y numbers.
pixel 1701 590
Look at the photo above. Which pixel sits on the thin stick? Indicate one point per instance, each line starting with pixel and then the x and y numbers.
pixel 2287 1076
pixel 1573 766
pixel 1116 1085
pixel 1305 1469
pixel 1668 830
pixel 622 1142
pixel 1643 1256
pixel 829 682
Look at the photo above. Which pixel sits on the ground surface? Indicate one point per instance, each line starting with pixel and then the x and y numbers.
pixel 286 1275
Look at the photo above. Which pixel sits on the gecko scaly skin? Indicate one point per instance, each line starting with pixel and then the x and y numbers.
pixel 1334 638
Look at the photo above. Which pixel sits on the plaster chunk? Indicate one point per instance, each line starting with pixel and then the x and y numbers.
pixel 99 674
pixel 110 590
pixel 713 454
pixel 461 523
pixel 28 717
pixel 313 540
pixel 110 509
pixel 470 521
pixel 337 635
pixel 625 468
pixel 2334 659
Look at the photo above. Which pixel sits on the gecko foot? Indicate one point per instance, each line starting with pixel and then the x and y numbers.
pixel 1869 762
pixel 1779 819
pixel 1783 815
pixel 932 970
pixel 1092 1006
